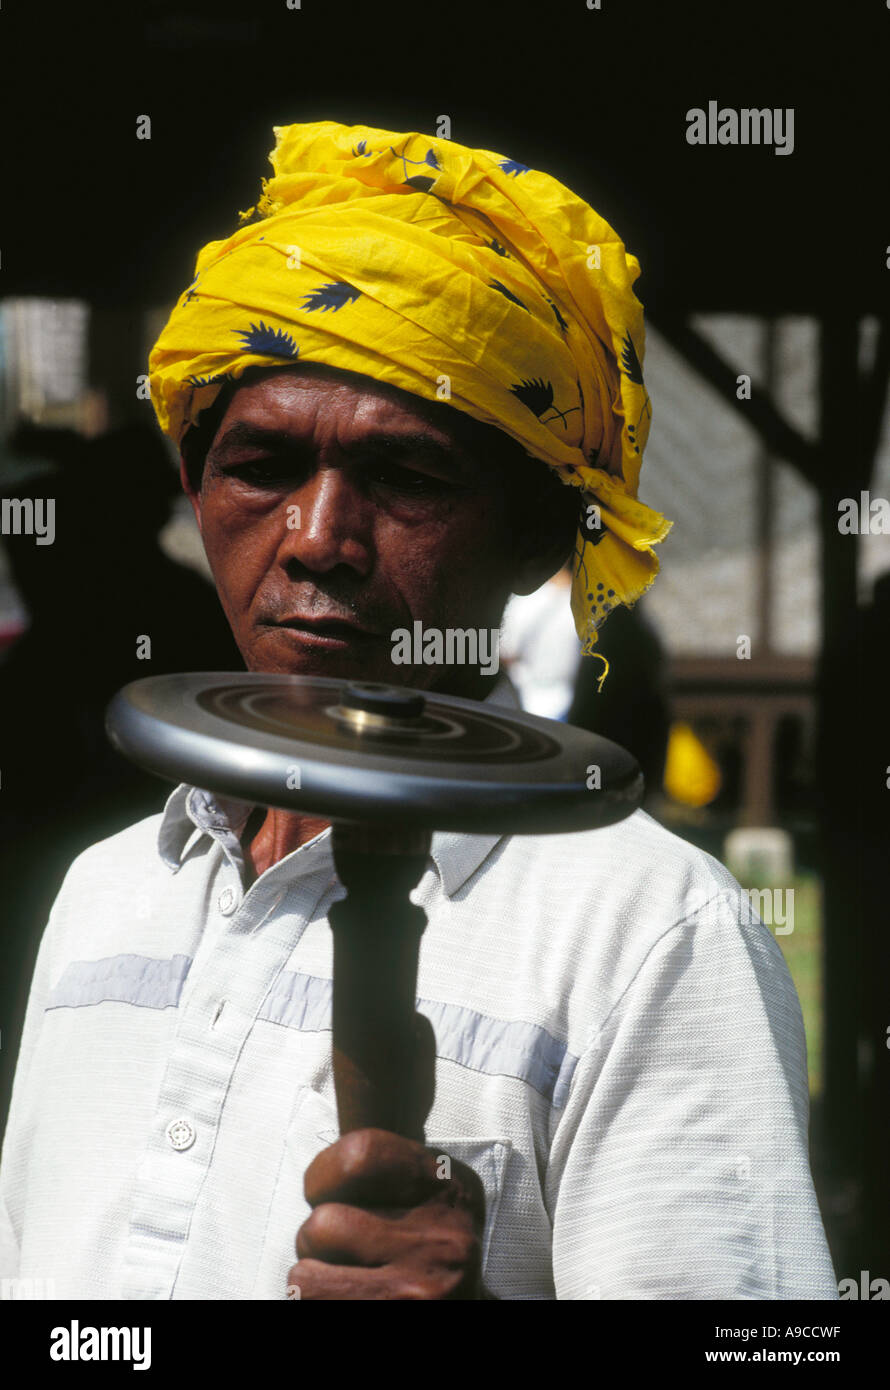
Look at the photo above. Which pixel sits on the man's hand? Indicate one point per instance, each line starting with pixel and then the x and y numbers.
pixel 388 1224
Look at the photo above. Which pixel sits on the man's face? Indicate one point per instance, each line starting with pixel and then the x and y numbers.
pixel 334 511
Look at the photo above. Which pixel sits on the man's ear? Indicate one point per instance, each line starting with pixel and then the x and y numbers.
pixel 547 538
pixel 545 524
pixel 193 497
pixel 531 573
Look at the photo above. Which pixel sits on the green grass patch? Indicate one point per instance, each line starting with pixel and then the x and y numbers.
pixel 802 949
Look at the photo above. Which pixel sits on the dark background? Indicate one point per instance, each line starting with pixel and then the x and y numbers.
pixel 599 100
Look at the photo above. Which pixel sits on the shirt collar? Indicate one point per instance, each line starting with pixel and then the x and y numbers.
pixel 191 813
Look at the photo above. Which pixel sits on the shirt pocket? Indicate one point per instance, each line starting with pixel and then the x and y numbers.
pixel 313 1125
pixel 488 1158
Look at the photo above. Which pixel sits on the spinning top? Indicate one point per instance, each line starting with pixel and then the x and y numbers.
pixel 361 751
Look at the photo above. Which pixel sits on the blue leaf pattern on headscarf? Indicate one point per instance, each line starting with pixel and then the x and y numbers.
pixel 559 318
pixel 508 294
pixel 331 296
pixel 209 380
pixel 265 340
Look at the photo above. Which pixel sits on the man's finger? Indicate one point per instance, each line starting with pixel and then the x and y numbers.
pixel 317 1280
pixel 347 1235
pixel 371 1167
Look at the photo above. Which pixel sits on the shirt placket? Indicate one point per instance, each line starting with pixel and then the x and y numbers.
pixel 217 1012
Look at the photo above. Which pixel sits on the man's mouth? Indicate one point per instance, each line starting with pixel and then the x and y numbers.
pixel 332 633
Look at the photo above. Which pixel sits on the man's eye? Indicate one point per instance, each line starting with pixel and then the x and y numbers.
pixel 406 479
pixel 275 472
pixel 263 471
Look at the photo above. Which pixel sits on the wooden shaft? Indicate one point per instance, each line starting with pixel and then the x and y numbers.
pixel 383 1051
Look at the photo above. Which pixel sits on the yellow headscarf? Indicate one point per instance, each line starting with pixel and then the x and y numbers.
pixel 456 274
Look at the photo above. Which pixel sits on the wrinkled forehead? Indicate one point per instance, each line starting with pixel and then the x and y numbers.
pixel 273 395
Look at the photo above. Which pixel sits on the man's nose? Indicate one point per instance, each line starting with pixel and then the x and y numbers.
pixel 329 523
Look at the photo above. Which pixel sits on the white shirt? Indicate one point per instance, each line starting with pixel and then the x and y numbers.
pixel 538 637
pixel 621 1058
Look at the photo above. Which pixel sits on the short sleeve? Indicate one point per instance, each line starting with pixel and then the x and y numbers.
pixel 680 1167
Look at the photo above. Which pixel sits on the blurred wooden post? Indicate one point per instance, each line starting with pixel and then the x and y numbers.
pixel 837 736
pixel 758 800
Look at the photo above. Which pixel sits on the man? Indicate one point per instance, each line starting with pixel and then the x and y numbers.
pixel 366 382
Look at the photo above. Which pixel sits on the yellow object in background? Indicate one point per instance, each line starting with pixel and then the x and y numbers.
pixel 691 775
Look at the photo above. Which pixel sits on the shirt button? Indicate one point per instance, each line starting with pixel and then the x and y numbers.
pixel 227 900
pixel 181 1134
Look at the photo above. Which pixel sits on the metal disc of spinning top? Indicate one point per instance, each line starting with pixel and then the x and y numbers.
pixel 363 751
